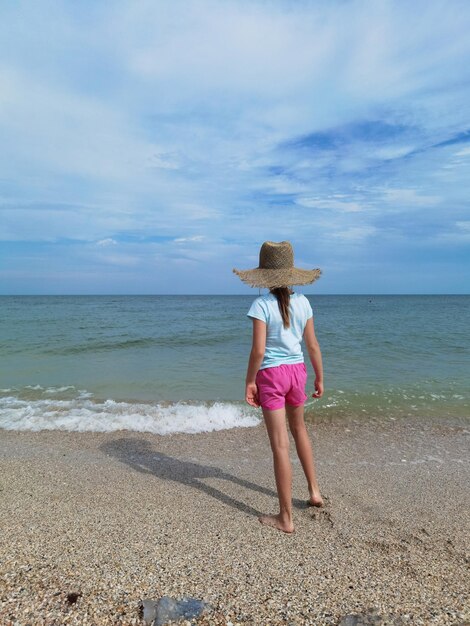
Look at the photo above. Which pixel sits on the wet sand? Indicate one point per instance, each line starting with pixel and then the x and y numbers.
pixel 92 523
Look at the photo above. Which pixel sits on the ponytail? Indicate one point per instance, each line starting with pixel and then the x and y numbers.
pixel 283 298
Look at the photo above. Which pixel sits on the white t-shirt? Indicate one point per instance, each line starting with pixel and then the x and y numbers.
pixel 282 344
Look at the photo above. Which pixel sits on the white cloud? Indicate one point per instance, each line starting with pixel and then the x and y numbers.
pixel 409 197
pixel 463 153
pixel 463 225
pixel 355 234
pixel 392 152
pixel 333 205
pixel 106 242
pixel 163 160
pixel 196 238
pixel 458 235
pixel 61 131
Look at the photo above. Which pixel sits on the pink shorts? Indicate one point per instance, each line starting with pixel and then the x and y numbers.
pixel 281 385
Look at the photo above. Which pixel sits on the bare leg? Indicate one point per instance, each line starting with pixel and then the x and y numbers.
pixel 295 415
pixel 277 431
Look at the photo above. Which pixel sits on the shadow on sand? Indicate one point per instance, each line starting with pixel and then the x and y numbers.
pixel 142 457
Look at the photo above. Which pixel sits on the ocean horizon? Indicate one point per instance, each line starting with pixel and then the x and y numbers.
pixel 211 295
pixel 173 363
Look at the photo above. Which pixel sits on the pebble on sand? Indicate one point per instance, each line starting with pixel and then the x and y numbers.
pixel 166 609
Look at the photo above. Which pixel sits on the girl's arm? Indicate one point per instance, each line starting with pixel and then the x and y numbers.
pixel 314 353
pixel 256 357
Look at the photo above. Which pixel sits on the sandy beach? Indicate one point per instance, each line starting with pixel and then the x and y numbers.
pixel 93 523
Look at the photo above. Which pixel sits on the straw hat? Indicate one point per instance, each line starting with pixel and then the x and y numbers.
pixel 276 268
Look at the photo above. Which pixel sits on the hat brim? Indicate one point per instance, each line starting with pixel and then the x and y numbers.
pixel 260 277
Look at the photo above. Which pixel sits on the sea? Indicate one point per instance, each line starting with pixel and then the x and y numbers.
pixel 169 364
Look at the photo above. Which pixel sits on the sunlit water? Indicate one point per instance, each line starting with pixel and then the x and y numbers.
pixel 177 363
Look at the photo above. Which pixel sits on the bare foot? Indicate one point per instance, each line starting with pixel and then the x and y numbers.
pixel 276 522
pixel 316 499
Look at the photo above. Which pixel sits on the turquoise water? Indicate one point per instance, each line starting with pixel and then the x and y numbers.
pixel 102 360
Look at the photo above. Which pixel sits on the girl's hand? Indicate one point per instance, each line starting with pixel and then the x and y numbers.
pixel 251 394
pixel 318 389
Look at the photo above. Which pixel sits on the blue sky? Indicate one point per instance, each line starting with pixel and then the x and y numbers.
pixel 150 147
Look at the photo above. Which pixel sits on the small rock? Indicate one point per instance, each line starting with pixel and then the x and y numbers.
pixel 73 596
pixel 159 613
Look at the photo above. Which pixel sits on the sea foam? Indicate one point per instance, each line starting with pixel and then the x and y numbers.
pixel 81 414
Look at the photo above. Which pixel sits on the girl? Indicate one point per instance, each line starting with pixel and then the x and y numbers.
pixel 276 375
